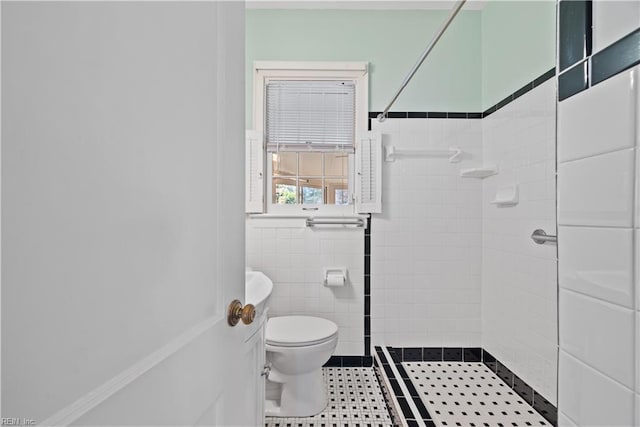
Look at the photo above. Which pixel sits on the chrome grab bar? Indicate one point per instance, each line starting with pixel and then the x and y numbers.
pixel 357 222
pixel 541 237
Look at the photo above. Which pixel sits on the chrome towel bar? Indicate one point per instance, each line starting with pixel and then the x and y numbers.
pixel 356 222
pixel 541 237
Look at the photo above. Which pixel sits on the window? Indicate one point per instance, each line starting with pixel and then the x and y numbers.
pixel 309 119
pixel 310 134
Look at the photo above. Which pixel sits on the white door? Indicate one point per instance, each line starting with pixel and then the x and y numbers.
pixel 123 214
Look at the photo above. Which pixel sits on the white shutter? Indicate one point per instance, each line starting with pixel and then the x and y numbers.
pixel 369 173
pixel 254 172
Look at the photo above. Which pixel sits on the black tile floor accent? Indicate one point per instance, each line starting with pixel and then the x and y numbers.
pixel 383 371
pixel 414 395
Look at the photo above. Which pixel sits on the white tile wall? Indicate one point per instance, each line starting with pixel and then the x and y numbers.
pixel 585 333
pixel 598 262
pixel 294 257
pixel 613 19
pixel 519 291
pixel 590 398
pixel 580 119
pixel 598 190
pixel 426 245
pixel 600 326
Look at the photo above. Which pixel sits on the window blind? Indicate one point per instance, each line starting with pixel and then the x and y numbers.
pixel 310 115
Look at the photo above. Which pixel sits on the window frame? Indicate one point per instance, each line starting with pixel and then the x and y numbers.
pixel 263 72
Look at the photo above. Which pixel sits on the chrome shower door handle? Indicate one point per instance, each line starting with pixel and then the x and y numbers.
pixel 541 237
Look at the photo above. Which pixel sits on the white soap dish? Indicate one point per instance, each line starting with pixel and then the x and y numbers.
pixel 506 196
pixel 479 173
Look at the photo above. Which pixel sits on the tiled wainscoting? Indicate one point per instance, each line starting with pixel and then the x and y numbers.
pixel 458 386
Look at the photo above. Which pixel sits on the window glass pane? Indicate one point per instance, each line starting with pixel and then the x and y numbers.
pixel 337 191
pixel 336 164
pixel 311 164
pixel 284 191
pixel 311 191
pixel 285 164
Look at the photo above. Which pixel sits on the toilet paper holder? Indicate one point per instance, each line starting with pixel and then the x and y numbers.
pixel 331 274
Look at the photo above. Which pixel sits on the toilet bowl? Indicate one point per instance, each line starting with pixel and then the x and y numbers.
pixel 297 347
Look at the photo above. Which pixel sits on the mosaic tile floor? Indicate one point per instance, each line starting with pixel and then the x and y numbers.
pixel 355 400
pixel 470 395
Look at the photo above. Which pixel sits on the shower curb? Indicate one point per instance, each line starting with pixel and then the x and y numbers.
pixel 460 354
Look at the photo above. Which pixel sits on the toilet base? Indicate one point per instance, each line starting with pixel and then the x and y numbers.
pixel 302 395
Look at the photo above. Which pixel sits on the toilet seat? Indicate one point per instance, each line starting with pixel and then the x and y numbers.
pixel 299 331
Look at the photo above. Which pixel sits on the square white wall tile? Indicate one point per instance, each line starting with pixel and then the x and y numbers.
pixel 612 20
pixel 519 278
pixel 597 191
pixel 599 334
pixel 590 398
pixel 425 245
pixel 294 257
pixel 597 262
pixel 599 120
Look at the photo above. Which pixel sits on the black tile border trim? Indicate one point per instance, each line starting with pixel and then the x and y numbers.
pixel 338 361
pixel 396 419
pixel 518 93
pixel 545 408
pixel 413 393
pixel 575 32
pixel 404 409
pixel 468 354
pixel 367 288
pixel 573 81
pixel 467 115
pixel 614 59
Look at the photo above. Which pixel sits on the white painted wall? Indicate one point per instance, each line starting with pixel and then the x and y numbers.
pixel 111 113
pixel 426 244
pixel 598 219
pixel 294 257
pixel 519 284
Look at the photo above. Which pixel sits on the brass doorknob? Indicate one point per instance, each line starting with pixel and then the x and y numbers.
pixel 237 312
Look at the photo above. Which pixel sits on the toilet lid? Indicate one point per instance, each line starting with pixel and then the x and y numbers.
pixel 294 331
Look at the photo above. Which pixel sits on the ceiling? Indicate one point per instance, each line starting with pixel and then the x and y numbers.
pixel 364 4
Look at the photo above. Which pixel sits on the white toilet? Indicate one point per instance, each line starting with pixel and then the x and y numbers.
pixel 297 347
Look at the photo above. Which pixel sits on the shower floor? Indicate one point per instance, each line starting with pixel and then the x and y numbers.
pixel 355 400
pixel 469 394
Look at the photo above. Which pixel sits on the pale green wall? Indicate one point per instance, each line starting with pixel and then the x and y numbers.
pixel 391 41
pixel 518 45
pixel 483 57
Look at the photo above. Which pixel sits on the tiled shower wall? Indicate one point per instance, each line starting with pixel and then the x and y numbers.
pixel 599 215
pixel 597 145
pixel 294 257
pixel 519 277
pixel 426 245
